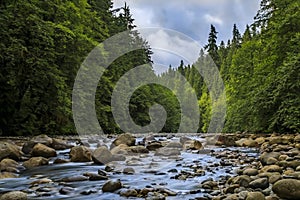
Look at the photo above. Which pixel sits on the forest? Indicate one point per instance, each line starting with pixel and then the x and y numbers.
pixel 43 44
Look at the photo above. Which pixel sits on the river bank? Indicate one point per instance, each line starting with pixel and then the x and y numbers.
pixel 165 166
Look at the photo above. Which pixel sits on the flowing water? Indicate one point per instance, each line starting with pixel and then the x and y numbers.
pixel 150 171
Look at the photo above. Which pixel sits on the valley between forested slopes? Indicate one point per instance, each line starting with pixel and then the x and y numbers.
pixel 43 44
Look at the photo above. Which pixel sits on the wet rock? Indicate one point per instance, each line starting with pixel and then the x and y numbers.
pixel 128 170
pixel 287 189
pixel 155 196
pixel 129 193
pixel 4 175
pixel 66 190
pixel 80 154
pixel 139 149
pixel 209 185
pixel 60 161
pixel 9 150
pixel 261 183
pixel 109 168
pixel 125 138
pixel 255 196
pixel 43 151
pixel 102 155
pixel 192 145
pixel 14 195
pixel 167 152
pixel 35 162
pixel 112 186
pixel 95 177
pixel 59 144
pixel 154 146
pixel 167 192
pixel 245 142
pixel 75 179
pixel 250 172
pixel 102 173
pixel 41 181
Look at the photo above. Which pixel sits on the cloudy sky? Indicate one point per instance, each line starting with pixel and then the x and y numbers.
pixel 180 23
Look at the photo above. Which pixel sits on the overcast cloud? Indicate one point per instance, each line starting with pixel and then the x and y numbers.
pixel 189 17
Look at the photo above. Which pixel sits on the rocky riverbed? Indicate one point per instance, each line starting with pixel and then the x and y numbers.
pixel 230 167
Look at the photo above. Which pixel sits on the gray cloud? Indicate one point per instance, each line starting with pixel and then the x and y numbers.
pixel 191 17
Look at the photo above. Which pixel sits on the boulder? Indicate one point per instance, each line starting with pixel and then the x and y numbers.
pixel 112 186
pixel 14 195
pixel 128 170
pixel 250 172
pixel 9 150
pixel 271 168
pixel 129 193
pixel 80 154
pixel 125 138
pixel 255 196
pixel 139 149
pixel 297 138
pixel 261 183
pixel 152 146
pixel 122 149
pixel 102 155
pixel 35 162
pixel 59 144
pixel 4 175
pixel 192 145
pixel 287 189
pixel 9 165
pixel 260 140
pixel 275 140
pixel 242 181
pixel 167 152
pixel 42 139
pixel 43 151
pixel 244 142
pixel 265 156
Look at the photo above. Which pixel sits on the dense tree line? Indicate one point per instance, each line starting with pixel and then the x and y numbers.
pixel 260 69
pixel 43 44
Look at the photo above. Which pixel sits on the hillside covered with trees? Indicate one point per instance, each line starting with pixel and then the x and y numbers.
pixel 43 44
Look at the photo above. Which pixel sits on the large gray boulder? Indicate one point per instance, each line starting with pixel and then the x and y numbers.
pixel 102 155
pixel 287 189
pixel 80 154
pixel 43 151
pixel 35 162
pixel 9 150
pixel 14 195
pixel 125 138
